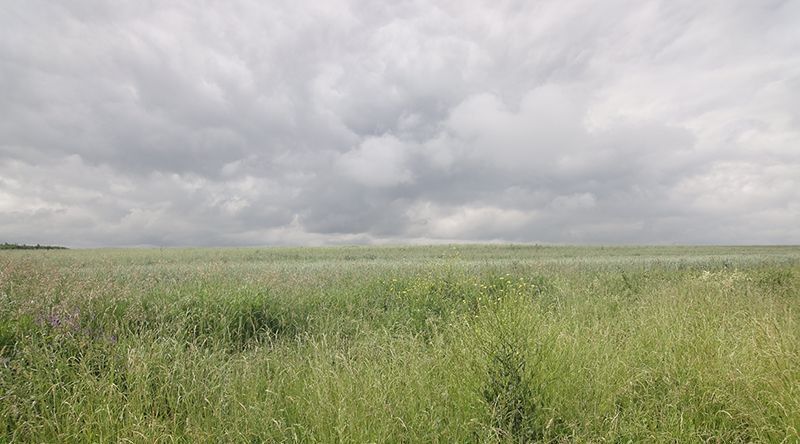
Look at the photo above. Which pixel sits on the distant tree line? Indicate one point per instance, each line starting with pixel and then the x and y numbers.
pixel 7 246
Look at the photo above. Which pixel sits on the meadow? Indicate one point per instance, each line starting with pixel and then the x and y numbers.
pixel 468 343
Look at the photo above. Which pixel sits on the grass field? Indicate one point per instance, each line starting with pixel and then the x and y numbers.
pixel 401 344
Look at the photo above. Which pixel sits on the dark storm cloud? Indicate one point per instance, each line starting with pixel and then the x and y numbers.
pixel 167 123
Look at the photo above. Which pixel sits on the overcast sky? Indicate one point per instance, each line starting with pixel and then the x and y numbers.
pixel 255 122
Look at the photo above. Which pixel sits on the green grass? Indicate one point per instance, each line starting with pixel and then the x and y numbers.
pixel 401 344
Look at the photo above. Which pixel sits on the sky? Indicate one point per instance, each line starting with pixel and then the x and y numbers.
pixel 245 122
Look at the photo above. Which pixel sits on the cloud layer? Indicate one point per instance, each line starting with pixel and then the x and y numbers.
pixel 248 123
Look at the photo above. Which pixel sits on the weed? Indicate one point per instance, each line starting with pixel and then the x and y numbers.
pixel 401 344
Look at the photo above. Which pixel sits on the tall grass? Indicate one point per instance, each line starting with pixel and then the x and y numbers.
pixel 401 344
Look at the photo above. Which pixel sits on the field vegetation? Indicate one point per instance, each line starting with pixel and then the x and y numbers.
pixel 401 344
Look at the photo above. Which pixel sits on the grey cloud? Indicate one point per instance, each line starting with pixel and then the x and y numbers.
pixel 346 121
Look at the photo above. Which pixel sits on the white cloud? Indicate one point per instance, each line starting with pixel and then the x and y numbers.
pixel 466 222
pixel 377 162
pixel 350 121
pixel 577 201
